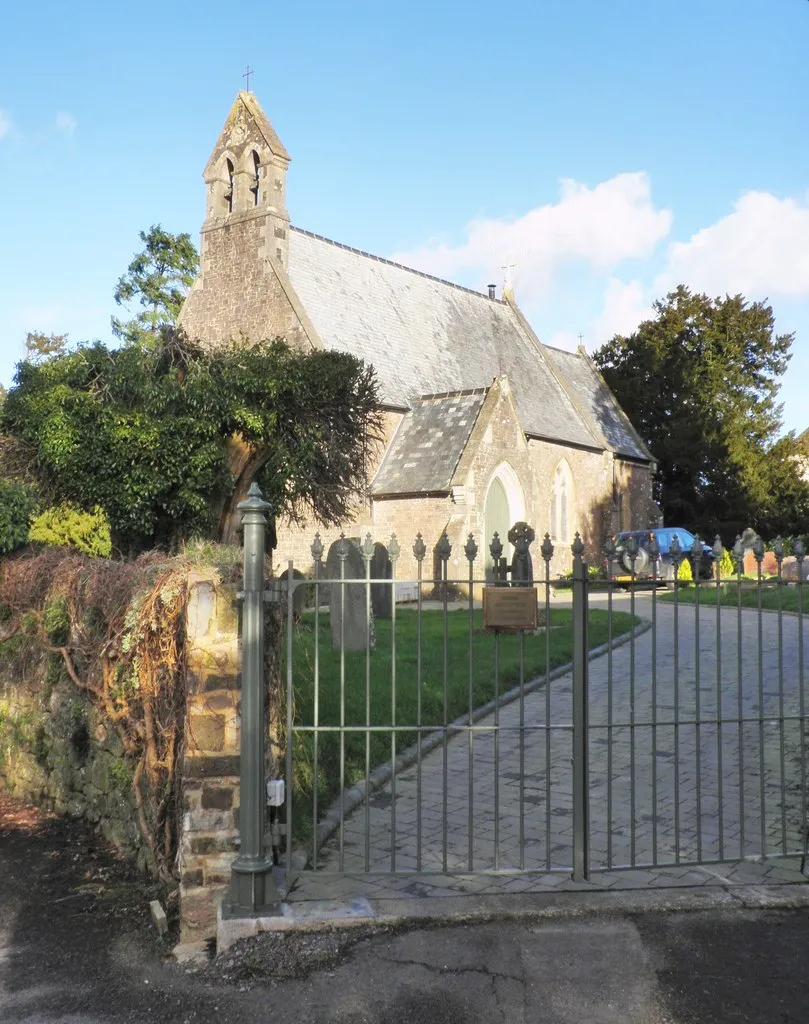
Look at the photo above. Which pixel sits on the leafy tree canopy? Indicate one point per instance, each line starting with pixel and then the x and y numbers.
pixel 42 346
pixel 700 383
pixel 167 439
pixel 157 280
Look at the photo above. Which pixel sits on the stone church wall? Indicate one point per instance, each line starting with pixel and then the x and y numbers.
pixel 238 291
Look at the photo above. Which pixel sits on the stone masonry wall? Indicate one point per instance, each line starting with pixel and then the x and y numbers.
pixel 57 752
pixel 211 766
pixel 238 290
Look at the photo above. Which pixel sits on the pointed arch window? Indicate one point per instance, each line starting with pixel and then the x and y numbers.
pixel 254 187
pixel 562 503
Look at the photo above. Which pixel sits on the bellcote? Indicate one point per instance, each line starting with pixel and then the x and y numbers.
pixel 245 175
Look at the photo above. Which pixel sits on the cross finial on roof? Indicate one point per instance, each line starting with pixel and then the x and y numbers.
pixel 581 339
pixel 248 71
pixel 508 286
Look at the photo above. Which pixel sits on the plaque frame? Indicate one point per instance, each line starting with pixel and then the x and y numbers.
pixel 510 609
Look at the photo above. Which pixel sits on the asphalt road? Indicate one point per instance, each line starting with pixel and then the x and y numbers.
pixel 76 946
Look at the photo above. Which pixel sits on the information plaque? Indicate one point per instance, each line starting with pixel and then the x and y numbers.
pixel 510 608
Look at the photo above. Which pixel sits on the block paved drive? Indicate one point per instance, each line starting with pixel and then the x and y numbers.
pixel 653 799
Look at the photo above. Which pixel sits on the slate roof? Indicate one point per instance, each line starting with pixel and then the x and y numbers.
pixel 426 449
pixel 427 336
pixel 597 404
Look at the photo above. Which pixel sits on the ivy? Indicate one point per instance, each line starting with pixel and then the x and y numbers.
pixel 17 505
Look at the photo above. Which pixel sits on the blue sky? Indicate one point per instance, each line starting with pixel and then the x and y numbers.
pixel 609 150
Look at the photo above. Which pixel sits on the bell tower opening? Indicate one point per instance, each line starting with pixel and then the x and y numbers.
pixel 255 187
pixel 229 186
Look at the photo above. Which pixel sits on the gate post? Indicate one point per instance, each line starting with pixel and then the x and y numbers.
pixel 581 768
pixel 252 887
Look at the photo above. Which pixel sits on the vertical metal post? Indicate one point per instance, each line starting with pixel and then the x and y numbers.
pixel 419 551
pixel 778 549
pixel 368 554
pixel 758 551
pixel 444 551
pixel 393 555
pixel 654 554
pixel 738 555
pixel 317 555
pixel 581 774
pixel 496 548
pixel 471 550
pixel 718 551
pixel 252 887
pixel 676 555
pixel 547 555
pixel 798 549
pixel 290 626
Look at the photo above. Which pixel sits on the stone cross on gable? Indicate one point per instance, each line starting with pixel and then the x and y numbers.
pixel 508 286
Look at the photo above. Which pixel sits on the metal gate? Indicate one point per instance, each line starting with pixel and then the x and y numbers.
pixel 631 728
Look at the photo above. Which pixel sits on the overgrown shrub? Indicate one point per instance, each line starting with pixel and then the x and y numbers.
pixel 117 631
pixel 66 525
pixel 17 504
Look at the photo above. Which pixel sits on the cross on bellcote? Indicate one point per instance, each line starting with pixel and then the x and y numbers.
pixel 248 71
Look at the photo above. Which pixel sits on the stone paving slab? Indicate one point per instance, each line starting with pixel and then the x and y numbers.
pixel 322 886
pixel 446 898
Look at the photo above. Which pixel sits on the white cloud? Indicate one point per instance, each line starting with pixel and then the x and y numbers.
pixel 600 226
pixel 625 306
pixel 66 123
pixel 6 124
pixel 760 249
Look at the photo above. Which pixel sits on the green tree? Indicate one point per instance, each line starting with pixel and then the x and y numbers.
pixel 167 440
pixel 157 280
pixel 700 383
pixel 40 346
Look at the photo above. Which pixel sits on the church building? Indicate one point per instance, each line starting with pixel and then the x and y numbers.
pixel 485 426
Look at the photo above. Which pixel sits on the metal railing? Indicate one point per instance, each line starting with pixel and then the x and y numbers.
pixel 421 742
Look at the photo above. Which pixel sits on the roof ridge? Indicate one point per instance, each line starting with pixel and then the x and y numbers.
pixel 558 348
pixel 393 263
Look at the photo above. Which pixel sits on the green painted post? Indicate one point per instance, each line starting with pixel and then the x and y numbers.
pixel 581 771
pixel 252 887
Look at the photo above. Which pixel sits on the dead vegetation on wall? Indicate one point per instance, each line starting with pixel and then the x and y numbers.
pixel 117 630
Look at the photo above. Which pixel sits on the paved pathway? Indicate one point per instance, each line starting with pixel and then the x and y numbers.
pixel 654 800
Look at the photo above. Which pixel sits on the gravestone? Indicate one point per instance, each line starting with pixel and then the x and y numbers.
pixel 347 601
pixel 769 564
pixel 298 594
pixel 789 569
pixel 381 593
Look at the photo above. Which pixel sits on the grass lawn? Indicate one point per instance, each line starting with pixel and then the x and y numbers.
pixel 774 596
pixel 368 697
